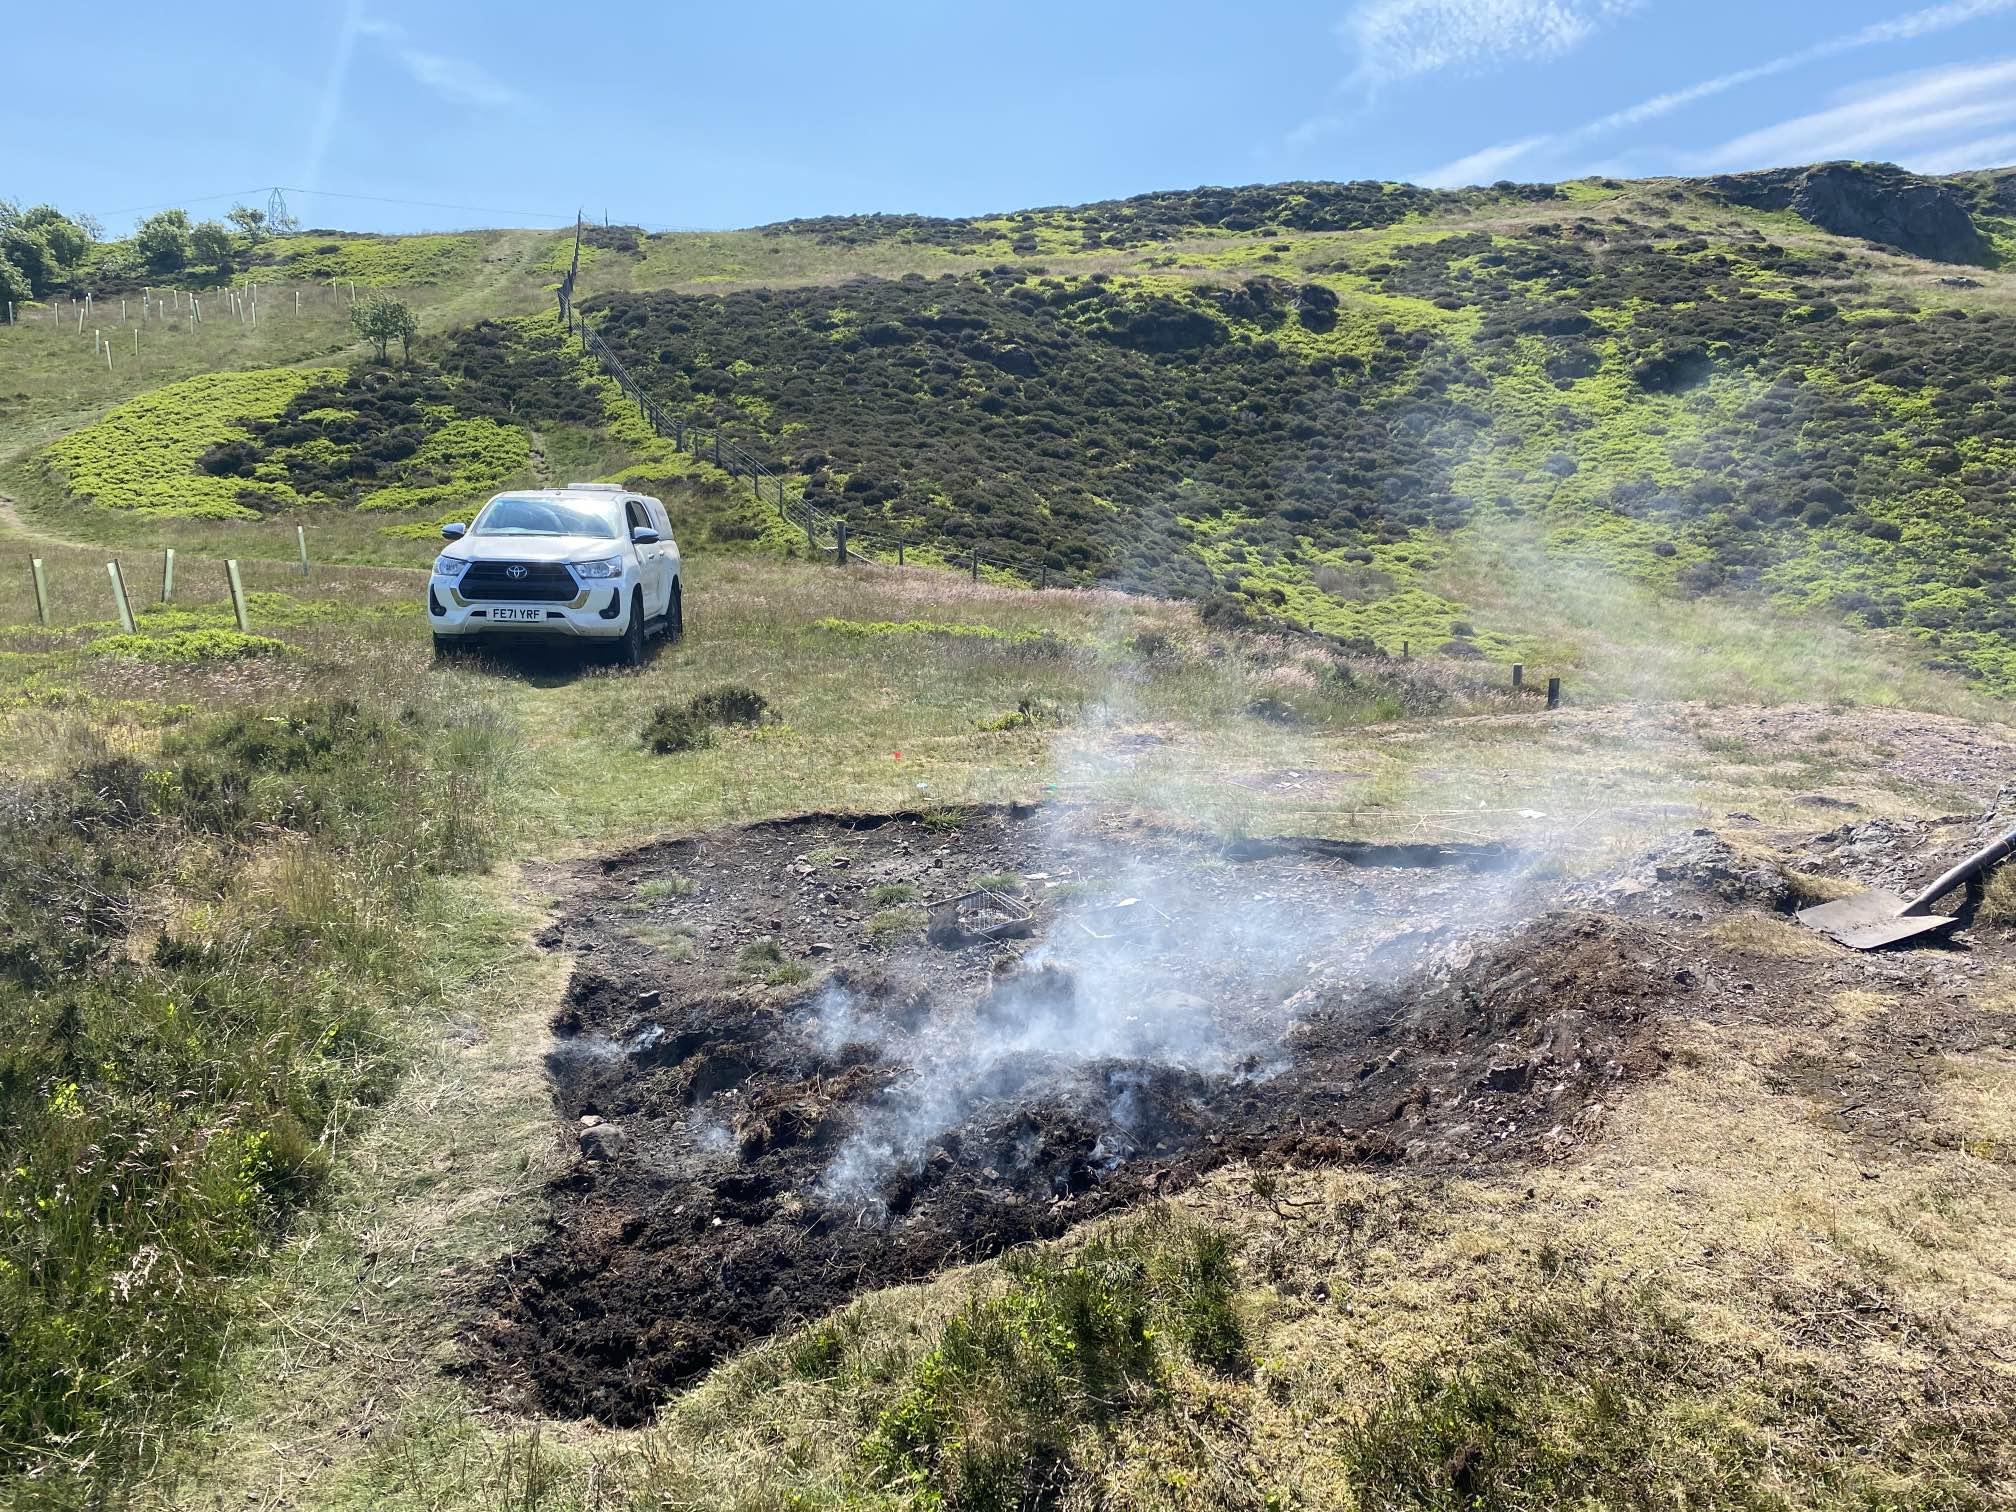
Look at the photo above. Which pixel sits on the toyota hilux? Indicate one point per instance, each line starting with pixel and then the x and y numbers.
pixel 589 562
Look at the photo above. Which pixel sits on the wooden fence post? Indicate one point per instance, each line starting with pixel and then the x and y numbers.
pixel 1518 676
pixel 1553 692
pixel 301 539
pixel 41 590
pixel 899 553
pixel 976 566
pixel 119 599
pixel 237 597
pixel 168 574
pixel 840 543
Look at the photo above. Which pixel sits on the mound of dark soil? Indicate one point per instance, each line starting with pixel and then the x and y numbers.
pixel 754 1155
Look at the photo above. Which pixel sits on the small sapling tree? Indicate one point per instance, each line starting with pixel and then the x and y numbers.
pixel 380 320
pixel 251 223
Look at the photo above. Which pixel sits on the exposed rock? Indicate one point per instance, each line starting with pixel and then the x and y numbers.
pixel 602 1142
pixel 1719 869
pixel 1877 202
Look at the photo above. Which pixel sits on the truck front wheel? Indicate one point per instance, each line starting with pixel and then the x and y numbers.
pixel 630 650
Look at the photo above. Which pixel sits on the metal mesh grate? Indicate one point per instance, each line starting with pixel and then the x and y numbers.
pixel 519 582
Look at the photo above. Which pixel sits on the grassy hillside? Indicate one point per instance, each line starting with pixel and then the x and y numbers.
pixel 1312 401
pixel 1303 423
pixel 56 375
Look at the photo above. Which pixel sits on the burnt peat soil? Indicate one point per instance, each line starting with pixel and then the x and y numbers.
pixel 788 1080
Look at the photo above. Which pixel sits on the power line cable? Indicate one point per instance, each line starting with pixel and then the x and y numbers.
pixel 376 199
pixel 176 204
pixel 381 199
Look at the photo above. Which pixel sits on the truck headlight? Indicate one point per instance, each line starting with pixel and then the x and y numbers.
pixel 607 567
pixel 450 566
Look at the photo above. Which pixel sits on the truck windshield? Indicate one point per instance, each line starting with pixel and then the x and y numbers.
pixel 546 517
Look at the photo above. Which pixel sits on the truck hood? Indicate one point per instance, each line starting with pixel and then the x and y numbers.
pixel 506 548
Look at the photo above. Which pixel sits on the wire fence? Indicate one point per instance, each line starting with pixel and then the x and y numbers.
pixel 826 532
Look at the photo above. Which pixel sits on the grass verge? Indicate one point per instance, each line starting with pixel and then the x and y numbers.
pixel 196 965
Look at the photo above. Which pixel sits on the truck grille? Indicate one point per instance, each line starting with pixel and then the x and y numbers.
pixel 542 582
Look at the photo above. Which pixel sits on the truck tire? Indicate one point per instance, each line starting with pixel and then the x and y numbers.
pixel 444 647
pixel 630 649
pixel 675 613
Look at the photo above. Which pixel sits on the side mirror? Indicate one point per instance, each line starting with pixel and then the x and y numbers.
pixel 644 535
pixel 454 532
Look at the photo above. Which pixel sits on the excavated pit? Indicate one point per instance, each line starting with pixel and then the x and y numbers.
pixel 755 1145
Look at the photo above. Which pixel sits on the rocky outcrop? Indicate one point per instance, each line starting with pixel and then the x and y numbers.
pixel 1994 190
pixel 1877 202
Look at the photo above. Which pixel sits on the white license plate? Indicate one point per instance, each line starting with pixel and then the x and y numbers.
pixel 518 614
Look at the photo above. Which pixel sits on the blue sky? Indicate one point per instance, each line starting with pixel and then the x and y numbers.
pixel 676 115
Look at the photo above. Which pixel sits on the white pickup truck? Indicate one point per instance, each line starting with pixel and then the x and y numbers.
pixel 588 562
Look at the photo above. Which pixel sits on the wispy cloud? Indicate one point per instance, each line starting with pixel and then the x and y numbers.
pixel 1315 129
pixel 1395 40
pixel 460 81
pixel 1910 111
pixel 1905 28
pixel 1982 152
pixel 329 108
pixel 1485 166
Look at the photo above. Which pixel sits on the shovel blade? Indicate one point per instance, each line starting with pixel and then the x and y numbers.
pixel 1871 920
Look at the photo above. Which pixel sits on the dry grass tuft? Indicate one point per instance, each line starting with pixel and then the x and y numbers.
pixel 1759 934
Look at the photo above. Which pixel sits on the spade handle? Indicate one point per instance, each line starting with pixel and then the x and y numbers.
pixel 1972 867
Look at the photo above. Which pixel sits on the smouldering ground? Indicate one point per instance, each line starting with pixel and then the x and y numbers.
pixel 1783 1239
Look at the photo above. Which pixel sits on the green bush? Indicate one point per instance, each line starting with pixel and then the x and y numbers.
pixel 1029 713
pixel 187 646
pixel 989 1419
pixel 673 728
pixel 730 703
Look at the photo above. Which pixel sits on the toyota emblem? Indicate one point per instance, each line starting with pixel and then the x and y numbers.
pixel 516 571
